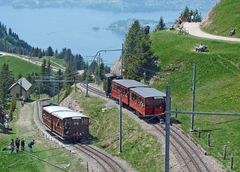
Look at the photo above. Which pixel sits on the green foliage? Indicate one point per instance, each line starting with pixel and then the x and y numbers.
pixel 13 106
pixel 140 149
pixel 223 18
pixel 49 51
pixel 10 42
pixel 189 16
pixel 217 86
pixel 43 149
pixel 7 80
pixel 161 25
pixel 138 56
pixel 67 91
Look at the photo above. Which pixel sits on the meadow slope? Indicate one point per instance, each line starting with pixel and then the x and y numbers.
pixel 217 86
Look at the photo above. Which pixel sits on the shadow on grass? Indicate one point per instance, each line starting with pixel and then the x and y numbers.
pixel 175 121
pixel 229 121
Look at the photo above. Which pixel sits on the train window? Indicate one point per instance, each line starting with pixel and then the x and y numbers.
pixel 58 123
pixel 76 122
pixel 67 124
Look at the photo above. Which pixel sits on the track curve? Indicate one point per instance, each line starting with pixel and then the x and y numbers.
pixel 107 163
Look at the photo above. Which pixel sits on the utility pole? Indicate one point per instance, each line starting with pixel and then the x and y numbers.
pixel 167 128
pixel 58 89
pixel 120 125
pixel 98 68
pixel 193 97
pixel 122 60
pixel 144 77
pixel 87 82
pixel 75 87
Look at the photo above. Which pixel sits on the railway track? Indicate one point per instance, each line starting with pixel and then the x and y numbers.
pixel 181 145
pixel 106 163
pixel 188 155
pixel 93 89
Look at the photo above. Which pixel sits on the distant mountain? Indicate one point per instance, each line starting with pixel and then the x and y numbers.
pixel 113 5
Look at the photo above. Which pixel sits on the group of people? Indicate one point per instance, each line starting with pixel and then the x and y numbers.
pixel 201 48
pixel 20 145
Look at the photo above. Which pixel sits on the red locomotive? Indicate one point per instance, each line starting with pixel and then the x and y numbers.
pixel 67 124
pixel 146 101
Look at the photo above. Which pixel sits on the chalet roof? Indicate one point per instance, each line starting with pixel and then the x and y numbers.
pixel 129 83
pixel 148 92
pixel 23 82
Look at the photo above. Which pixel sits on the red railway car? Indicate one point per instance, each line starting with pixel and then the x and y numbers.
pixel 147 101
pixel 122 87
pixel 67 124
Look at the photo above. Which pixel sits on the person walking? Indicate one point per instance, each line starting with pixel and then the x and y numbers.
pixel 30 145
pixel 11 146
pixel 22 144
pixel 17 143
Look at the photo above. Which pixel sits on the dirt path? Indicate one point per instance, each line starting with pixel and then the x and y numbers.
pixel 25 121
pixel 195 30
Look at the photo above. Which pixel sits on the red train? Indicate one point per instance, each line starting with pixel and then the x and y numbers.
pixel 146 101
pixel 67 124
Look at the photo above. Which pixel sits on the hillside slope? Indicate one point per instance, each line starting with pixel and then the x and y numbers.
pixel 18 66
pixel 223 17
pixel 217 86
pixel 10 42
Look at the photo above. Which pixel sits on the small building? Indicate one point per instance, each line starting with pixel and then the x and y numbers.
pixel 21 89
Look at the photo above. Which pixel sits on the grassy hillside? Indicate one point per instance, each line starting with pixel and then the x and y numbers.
pixel 18 66
pixel 140 149
pixel 217 86
pixel 43 149
pixel 224 16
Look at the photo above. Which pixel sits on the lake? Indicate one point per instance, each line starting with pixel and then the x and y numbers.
pixel 83 30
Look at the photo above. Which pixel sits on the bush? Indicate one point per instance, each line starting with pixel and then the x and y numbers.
pixel 13 106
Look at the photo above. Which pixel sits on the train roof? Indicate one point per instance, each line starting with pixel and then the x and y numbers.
pixel 129 83
pixel 148 92
pixel 51 109
pixel 69 114
pixel 107 75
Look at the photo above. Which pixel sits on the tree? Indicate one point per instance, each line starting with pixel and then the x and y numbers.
pixel 130 48
pixel 7 80
pixel 161 24
pixel 138 54
pixel 185 14
pixel 49 51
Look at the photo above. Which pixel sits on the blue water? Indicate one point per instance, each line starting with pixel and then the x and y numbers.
pixel 73 28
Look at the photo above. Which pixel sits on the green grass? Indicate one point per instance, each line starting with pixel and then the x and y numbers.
pixel 140 149
pixel 55 62
pixel 43 149
pixel 217 86
pixel 223 18
pixel 18 66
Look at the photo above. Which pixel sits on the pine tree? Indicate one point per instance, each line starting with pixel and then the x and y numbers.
pixel 130 48
pixel 7 80
pixel 138 56
pixel 49 51
pixel 185 14
pixel 161 24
